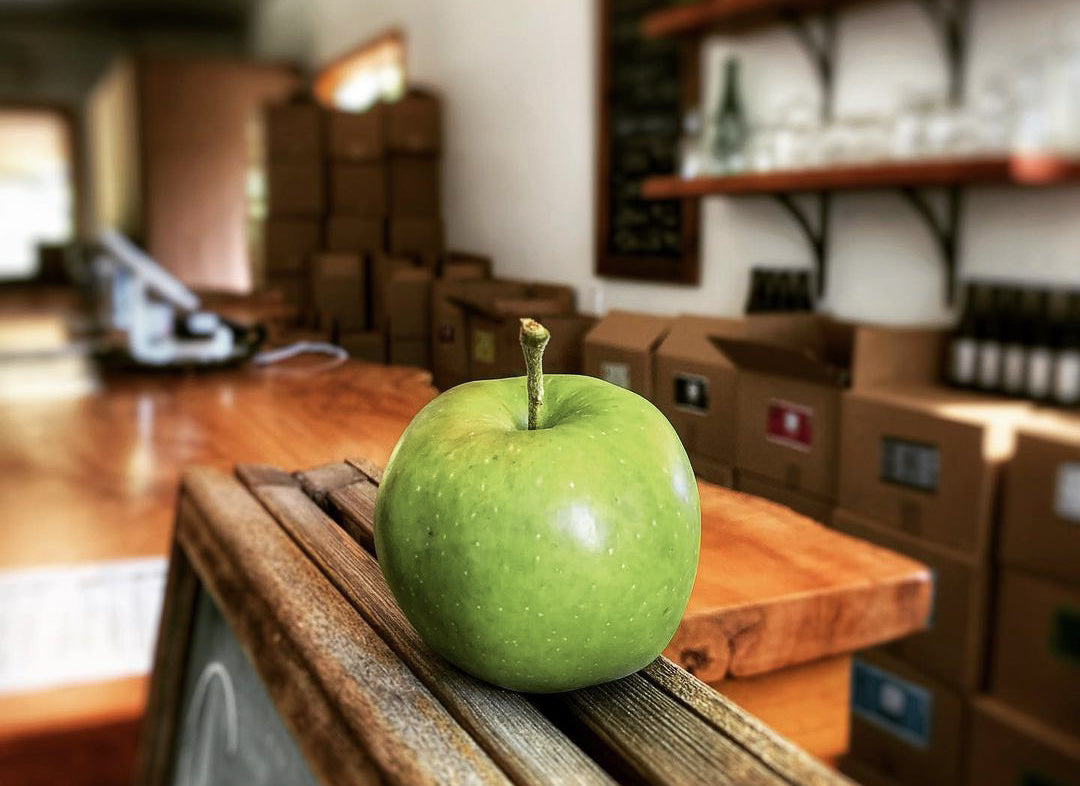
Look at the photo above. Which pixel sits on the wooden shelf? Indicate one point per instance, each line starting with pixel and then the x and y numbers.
pixel 952 172
pixel 708 15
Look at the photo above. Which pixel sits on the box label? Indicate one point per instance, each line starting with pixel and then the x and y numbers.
pixel 912 464
pixel 1067 492
pixel 789 424
pixel 891 703
pixel 1065 634
pixel 483 346
pixel 615 373
pixel 692 393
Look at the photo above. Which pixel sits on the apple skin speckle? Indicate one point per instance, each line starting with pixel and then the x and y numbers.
pixel 605 549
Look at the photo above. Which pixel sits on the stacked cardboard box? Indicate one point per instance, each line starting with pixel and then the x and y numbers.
pixel 1029 725
pixel 619 350
pixel 295 199
pixel 919 473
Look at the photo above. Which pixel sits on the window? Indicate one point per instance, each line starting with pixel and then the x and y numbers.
pixel 37 193
pixel 372 72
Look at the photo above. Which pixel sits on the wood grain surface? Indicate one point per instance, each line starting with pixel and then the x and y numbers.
pixel 658 726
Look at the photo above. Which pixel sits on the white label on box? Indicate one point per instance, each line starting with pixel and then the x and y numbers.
pixel 1067 493
pixel 615 373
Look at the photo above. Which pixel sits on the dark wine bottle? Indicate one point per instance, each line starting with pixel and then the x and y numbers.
pixel 771 300
pixel 989 331
pixel 803 301
pixel 755 301
pixel 1041 349
pixel 789 296
pixel 1014 352
pixel 1066 389
pixel 963 348
pixel 729 123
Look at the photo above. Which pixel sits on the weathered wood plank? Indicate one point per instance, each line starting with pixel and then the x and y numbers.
pixel 664 730
pixel 252 475
pixel 320 481
pixel 513 732
pixel 358 713
pixel 354 506
pixel 372 470
pixel 154 760
pixel 779 754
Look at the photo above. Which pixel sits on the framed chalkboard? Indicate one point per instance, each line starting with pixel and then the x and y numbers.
pixel 644 87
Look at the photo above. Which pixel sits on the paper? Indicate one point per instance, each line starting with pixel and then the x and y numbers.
pixel 81 623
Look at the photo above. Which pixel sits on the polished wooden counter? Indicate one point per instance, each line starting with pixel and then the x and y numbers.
pixel 779 598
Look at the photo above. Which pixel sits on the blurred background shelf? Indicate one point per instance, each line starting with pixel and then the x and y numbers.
pixel 1002 170
pixel 717 15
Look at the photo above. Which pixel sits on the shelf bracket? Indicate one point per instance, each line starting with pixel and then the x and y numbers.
pixel 816 236
pixel 820 47
pixel 950 18
pixel 946 231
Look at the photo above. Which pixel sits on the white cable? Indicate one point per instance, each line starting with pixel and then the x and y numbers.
pixel 269 356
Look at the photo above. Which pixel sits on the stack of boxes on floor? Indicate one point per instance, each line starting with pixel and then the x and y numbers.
pixel 355 239
pixel 296 200
pixel 847 425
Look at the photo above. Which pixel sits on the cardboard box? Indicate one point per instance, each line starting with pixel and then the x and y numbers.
pixel 358 189
pixel 715 472
pixel 355 233
pixel 356 136
pixel 295 290
pixel 413 124
pixel 1036 648
pixel 1010 748
pixel 926 461
pixel 953 649
pixel 791 371
pixel 415 191
pixel 904 725
pixel 410 352
pixel 293 132
pixel 620 349
pixel 288 243
pixel 462 265
pixel 417 236
pixel 694 386
pixel 408 298
pixel 383 268
pixel 449 333
pixel 1040 526
pixel 296 188
pixel 369 346
pixel 338 284
pixel 808 505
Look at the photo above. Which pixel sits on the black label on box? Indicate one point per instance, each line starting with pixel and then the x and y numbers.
pixel 1065 634
pixel 912 464
pixel 891 703
pixel 692 393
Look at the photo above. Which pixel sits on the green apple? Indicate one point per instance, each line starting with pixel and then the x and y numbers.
pixel 546 558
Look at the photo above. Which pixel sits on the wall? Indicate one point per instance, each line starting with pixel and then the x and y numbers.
pixel 519 82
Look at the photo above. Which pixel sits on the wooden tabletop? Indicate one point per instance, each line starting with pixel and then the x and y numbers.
pixel 96 477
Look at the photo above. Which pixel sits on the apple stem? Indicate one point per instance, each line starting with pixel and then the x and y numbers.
pixel 534 337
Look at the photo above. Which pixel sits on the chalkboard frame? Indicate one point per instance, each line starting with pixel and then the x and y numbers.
pixel 684 269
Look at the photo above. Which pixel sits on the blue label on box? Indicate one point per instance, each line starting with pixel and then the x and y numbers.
pixel 891 703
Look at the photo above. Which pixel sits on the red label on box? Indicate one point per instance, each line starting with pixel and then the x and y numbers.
pixel 789 424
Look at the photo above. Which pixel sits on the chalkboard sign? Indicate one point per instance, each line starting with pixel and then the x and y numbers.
pixel 229 731
pixel 645 85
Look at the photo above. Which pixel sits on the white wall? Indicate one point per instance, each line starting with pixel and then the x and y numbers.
pixel 518 77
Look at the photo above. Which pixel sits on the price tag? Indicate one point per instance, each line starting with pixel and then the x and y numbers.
pixel 692 393
pixel 789 424
pixel 891 703
pixel 1067 493
pixel 616 373
pixel 913 464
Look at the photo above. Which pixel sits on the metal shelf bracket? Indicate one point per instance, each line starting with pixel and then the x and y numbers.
pixel 950 18
pixel 946 231
pixel 820 47
pixel 816 236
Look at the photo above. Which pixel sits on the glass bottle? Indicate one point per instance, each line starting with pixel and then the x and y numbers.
pixel 963 348
pixel 729 123
pixel 1066 390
